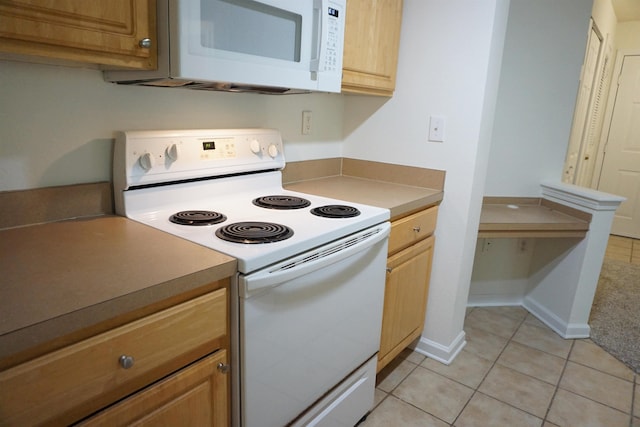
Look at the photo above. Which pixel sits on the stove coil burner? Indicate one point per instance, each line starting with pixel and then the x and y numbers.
pixel 281 202
pixel 335 211
pixel 254 232
pixel 197 218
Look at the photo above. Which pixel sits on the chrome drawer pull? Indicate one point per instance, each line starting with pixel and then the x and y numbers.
pixel 416 228
pixel 126 361
pixel 145 43
pixel 222 367
pixel 389 269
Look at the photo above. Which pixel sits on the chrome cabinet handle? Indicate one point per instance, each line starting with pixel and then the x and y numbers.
pixel 223 367
pixel 416 228
pixel 126 361
pixel 145 43
pixel 389 269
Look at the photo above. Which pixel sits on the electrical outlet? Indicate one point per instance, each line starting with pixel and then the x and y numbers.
pixel 522 245
pixel 306 122
pixel 436 128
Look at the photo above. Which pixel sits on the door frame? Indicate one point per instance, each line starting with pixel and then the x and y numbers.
pixel 608 117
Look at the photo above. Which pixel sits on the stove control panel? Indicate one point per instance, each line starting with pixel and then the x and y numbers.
pixel 151 157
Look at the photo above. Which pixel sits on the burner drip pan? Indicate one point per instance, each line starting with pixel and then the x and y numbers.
pixel 254 232
pixel 197 218
pixel 335 211
pixel 281 202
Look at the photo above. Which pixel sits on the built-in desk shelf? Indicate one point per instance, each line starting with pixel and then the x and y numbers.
pixel 525 217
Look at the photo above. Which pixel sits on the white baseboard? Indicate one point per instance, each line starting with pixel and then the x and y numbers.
pixel 439 352
pixel 491 300
pixel 562 328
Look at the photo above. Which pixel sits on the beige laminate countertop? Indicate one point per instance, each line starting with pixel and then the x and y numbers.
pixel 399 199
pixel 62 277
pixel 401 189
pixel 530 217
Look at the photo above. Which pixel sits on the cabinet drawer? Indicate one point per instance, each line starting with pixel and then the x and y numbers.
pixel 193 396
pixel 413 228
pixel 77 380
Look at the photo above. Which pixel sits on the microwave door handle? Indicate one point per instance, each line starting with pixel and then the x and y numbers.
pixel 320 26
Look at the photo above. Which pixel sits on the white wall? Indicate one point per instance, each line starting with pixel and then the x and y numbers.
pixel 543 55
pixel 57 123
pixel 449 65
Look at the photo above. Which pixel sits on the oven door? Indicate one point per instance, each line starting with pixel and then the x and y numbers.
pixel 306 324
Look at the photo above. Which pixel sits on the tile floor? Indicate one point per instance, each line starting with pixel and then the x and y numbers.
pixel 514 371
pixel 624 249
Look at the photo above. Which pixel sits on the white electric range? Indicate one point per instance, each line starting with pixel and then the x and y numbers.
pixel 306 303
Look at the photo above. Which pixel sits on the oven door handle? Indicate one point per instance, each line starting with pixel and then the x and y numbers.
pixel 308 262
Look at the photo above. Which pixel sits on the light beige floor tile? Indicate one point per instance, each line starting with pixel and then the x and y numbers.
pixel 519 390
pixel 636 400
pixel 548 424
pixel 491 321
pixel 433 393
pixel 536 363
pixel 598 386
pixel 619 242
pixel 412 356
pixel 513 311
pixel 467 368
pixel 570 410
pixel 635 254
pixel 378 396
pixel 484 344
pixel 543 339
pixel 393 374
pixel 483 411
pixel 636 422
pixel 587 353
pixel 619 248
pixel 534 321
pixel 394 412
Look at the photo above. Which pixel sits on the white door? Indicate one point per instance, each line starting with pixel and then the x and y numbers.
pixel 621 166
pixel 583 107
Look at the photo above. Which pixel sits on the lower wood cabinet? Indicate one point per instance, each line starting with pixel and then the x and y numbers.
pixel 156 354
pixel 407 285
pixel 193 396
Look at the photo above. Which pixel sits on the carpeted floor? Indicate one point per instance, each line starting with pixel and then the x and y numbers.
pixel 615 315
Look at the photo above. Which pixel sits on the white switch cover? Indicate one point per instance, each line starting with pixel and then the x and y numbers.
pixel 436 128
pixel 306 122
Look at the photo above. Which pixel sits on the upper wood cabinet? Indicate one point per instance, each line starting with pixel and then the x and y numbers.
pixel 100 32
pixel 372 38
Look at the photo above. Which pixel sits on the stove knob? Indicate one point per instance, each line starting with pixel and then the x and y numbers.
pixel 146 161
pixel 173 151
pixel 273 150
pixel 255 146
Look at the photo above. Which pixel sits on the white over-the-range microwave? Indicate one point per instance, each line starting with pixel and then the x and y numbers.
pixel 270 46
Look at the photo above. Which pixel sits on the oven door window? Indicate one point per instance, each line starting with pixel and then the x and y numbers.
pixel 252 28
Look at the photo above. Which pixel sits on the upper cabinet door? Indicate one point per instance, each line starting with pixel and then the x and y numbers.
pixel 372 38
pixel 90 31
